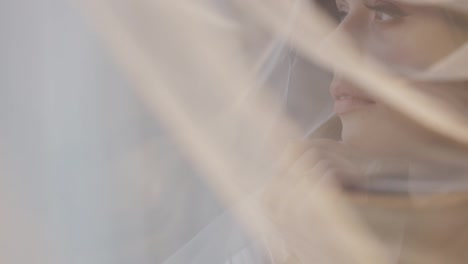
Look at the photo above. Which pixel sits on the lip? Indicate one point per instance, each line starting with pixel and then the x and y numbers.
pixel 347 99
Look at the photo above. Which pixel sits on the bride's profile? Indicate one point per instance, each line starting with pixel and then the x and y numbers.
pixel 414 205
pixel 401 175
pixel 234 132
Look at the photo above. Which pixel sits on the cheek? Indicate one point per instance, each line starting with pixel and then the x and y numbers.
pixel 415 44
pixel 453 98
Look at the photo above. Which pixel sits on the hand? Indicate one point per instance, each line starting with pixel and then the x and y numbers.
pixel 332 161
pixel 315 172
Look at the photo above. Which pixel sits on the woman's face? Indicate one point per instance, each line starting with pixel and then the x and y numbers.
pixel 403 37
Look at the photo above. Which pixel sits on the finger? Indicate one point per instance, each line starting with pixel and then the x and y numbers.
pixel 288 174
pixel 304 182
pixel 349 171
pixel 317 154
pixel 285 191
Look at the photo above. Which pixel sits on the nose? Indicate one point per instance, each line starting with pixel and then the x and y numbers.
pixel 350 34
pixel 351 31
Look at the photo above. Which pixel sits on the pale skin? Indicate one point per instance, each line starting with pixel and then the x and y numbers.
pixel 402 37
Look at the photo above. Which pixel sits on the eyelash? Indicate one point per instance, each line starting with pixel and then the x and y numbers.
pixel 380 9
pixel 393 12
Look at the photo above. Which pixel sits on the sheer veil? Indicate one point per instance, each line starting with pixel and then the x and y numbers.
pixel 151 131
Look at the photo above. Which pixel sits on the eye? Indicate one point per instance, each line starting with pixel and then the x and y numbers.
pixel 385 12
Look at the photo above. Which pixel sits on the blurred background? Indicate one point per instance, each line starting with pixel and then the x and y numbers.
pixel 88 173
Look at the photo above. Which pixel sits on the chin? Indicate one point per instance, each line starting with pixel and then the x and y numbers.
pixel 377 134
pixel 367 141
